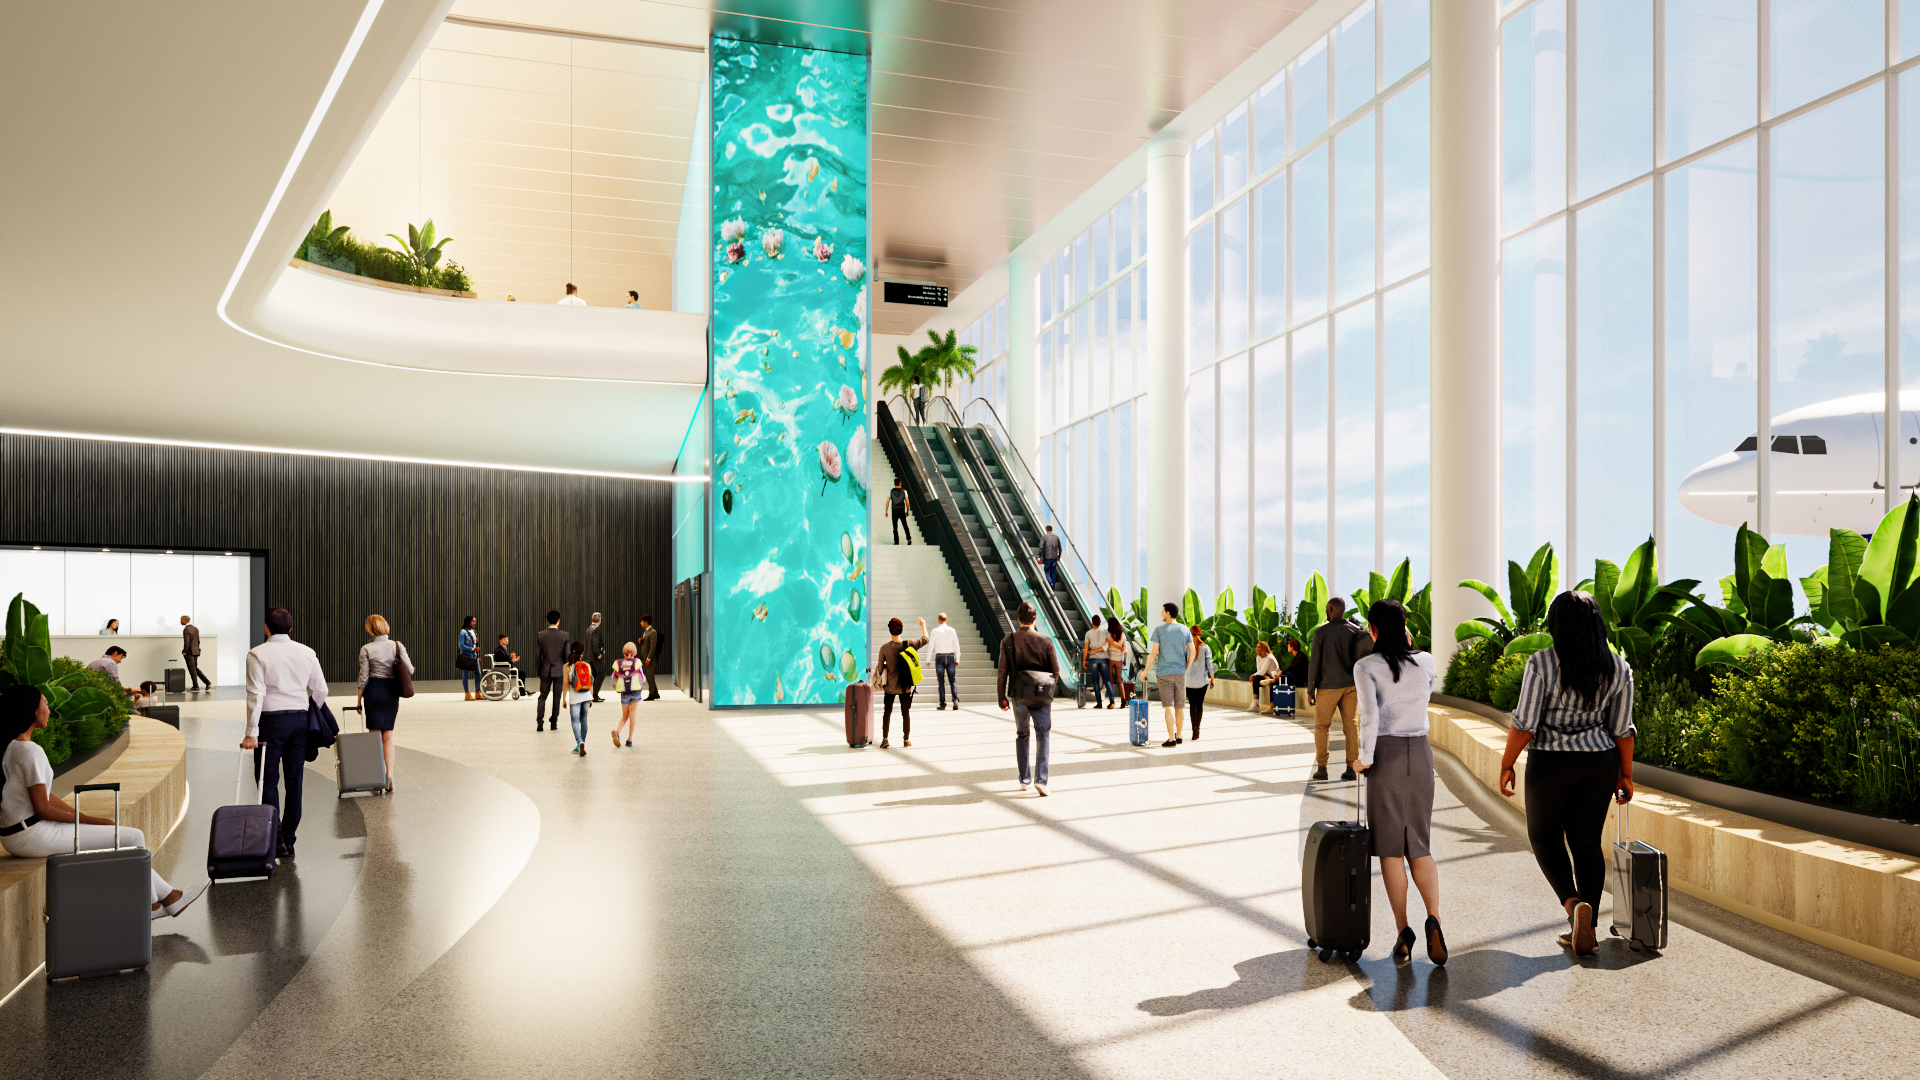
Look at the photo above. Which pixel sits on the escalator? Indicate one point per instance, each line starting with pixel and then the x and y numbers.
pixel 967 480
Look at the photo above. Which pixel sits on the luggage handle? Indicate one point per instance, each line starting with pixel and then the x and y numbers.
pixel 77 789
pixel 239 771
pixel 1359 798
pixel 1620 819
pixel 363 716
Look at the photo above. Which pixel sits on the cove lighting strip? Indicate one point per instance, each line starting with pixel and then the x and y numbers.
pixel 340 69
pixel 189 444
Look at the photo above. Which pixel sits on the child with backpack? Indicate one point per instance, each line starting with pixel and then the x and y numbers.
pixel 576 693
pixel 896 674
pixel 630 682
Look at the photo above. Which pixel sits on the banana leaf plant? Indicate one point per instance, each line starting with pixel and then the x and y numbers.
pixel 1419 605
pixel 1311 612
pixel 1530 588
pixel 26 657
pixel 420 245
pixel 1133 619
pixel 324 233
pixel 1758 611
pixel 1869 592
pixel 1636 606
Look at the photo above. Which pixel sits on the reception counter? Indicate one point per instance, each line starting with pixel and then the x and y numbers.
pixel 148 655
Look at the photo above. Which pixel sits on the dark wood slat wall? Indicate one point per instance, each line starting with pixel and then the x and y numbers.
pixel 422 545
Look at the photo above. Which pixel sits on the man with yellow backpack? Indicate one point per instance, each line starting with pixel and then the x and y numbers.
pixel 895 675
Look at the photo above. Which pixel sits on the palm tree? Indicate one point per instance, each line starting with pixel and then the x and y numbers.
pixel 937 364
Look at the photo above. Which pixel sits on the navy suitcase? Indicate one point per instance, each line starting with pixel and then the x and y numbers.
pixel 1137 722
pixel 99 919
pixel 1336 884
pixel 1282 695
pixel 244 841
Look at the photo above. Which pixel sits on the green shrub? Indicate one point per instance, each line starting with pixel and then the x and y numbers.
pixel 1791 724
pixel 1504 681
pixel 1671 661
pixel 1470 672
pixel 1670 727
pixel 340 251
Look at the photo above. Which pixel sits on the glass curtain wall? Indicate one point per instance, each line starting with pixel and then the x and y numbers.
pixel 1307 350
pixel 988 334
pixel 1707 208
pixel 1089 362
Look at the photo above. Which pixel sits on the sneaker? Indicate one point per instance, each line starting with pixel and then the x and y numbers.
pixel 1039 789
pixel 1583 944
pixel 629 742
pixel 1349 774
pixel 616 739
pixel 1319 773
pixel 1169 742
pixel 906 742
pixel 883 744
pixel 1025 784
pixel 187 897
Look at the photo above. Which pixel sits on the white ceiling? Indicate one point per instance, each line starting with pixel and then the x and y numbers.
pixel 549 158
pixel 146 183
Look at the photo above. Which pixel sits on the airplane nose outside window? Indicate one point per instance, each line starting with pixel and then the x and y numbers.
pixel 1751 442
pixel 1786 444
pixel 1812 444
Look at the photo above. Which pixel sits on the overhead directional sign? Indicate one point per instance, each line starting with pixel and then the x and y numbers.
pixel 910 292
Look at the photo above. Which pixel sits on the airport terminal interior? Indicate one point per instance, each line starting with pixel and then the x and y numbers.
pixel 1099 539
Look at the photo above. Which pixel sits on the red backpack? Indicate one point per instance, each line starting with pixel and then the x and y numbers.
pixel 582 676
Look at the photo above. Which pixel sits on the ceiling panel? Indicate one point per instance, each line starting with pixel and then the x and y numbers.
pixel 989 118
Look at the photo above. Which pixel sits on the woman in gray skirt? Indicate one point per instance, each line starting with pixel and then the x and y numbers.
pixel 1393 685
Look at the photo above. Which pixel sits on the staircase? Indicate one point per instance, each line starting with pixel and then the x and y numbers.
pixel 912 582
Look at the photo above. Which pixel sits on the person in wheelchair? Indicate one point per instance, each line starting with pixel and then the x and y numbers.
pixel 503 681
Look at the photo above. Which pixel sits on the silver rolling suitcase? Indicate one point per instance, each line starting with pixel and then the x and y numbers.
pixel 359 761
pixel 99 905
pixel 1639 889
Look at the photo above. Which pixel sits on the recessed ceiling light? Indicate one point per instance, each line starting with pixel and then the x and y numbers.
pixel 229 553
pixel 106 549
pixel 36 547
pixel 169 551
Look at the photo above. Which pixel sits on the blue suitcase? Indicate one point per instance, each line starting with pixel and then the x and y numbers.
pixel 1282 695
pixel 1137 722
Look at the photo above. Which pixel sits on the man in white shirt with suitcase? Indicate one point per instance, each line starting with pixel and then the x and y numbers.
pixel 282 676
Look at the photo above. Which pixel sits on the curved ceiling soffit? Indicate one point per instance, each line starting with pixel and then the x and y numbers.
pixel 322 315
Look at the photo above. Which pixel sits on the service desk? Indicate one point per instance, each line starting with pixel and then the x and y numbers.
pixel 148 655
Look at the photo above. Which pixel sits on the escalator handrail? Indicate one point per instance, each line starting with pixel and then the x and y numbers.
pixel 986 607
pixel 1057 630
pixel 1043 596
pixel 1080 584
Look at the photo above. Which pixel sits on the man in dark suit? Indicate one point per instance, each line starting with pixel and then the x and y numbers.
pixel 550 662
pixel 649 648
pixel 597 653
pixel 190 652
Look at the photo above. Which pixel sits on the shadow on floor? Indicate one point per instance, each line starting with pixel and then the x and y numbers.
pixel 1262 978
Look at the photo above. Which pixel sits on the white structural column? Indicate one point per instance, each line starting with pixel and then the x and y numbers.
pixel 1466 371
pixel 1022 330
pixel 1168 541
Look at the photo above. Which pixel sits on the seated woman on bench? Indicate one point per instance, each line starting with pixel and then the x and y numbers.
pixel 35 823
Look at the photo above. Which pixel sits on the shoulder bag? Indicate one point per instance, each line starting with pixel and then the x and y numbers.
pixel 402 678
pixel 1034 689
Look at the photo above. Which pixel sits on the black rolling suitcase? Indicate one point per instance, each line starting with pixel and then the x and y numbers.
pixel 1336 884
pixel 99 917
pixel 1639 890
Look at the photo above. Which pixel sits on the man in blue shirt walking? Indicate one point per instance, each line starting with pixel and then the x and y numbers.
pixel 1170 650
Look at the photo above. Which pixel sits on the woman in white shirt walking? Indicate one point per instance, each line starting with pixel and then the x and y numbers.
pixel 379 686
pixel 1392 685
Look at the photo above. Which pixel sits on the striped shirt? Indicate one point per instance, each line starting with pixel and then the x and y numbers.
pixel 1558 718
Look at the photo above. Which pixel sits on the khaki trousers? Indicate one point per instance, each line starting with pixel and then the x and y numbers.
pixel 1325 703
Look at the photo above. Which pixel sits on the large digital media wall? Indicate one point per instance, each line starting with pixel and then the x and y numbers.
pixel 790 442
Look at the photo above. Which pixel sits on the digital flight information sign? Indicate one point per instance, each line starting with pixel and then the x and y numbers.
pixel 910 292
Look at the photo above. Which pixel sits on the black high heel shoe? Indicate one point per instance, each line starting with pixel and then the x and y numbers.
pixel 1436 942
pixel 1403 949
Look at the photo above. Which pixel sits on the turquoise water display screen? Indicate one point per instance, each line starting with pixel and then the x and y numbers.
pixel 790 445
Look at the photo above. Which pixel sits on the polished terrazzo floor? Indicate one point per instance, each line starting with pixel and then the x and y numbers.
pixel 743 896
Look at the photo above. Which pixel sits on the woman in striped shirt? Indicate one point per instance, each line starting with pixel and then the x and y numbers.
pixel 1575 720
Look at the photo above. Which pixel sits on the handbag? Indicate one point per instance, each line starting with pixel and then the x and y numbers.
pixel 466 663
pixel 401 676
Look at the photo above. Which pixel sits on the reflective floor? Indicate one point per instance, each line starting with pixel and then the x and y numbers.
pixel 741 895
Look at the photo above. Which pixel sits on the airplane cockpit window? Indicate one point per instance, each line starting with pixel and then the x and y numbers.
pixel 1786 444
pixel 1812 444
pixel 1750 443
